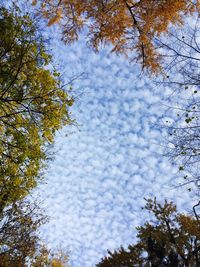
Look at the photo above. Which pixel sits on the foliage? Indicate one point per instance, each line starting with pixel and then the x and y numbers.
pixel 33 104
pixel 172 240
pixel 45 258
pixel 127 25
pixel 20 245
pixel 19 233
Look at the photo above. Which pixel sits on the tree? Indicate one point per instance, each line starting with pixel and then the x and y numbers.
pixel 19 233
pixel 183 129
pixel 172 240
pixel 127 25
pixel 33 104
pixel 20 245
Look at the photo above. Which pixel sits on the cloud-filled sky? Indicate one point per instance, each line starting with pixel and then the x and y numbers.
pixel 105 166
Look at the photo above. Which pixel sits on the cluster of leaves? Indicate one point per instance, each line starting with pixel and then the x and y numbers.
pixel 19 241
pixel 18 232
pixel 48 259
pixel 173 239
pixel 127 25
pixel 33 104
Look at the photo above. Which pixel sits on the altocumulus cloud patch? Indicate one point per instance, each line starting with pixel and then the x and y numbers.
pixel 95 186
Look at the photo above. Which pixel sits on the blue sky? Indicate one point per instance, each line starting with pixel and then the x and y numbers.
pixel 104 167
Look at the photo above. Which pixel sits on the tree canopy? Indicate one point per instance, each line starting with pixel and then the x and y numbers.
pixel 33 104
pixel 172 239
pixel 20 245
pixel 19 233
pixel 127 25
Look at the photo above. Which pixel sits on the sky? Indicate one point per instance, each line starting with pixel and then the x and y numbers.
pixel 106 164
